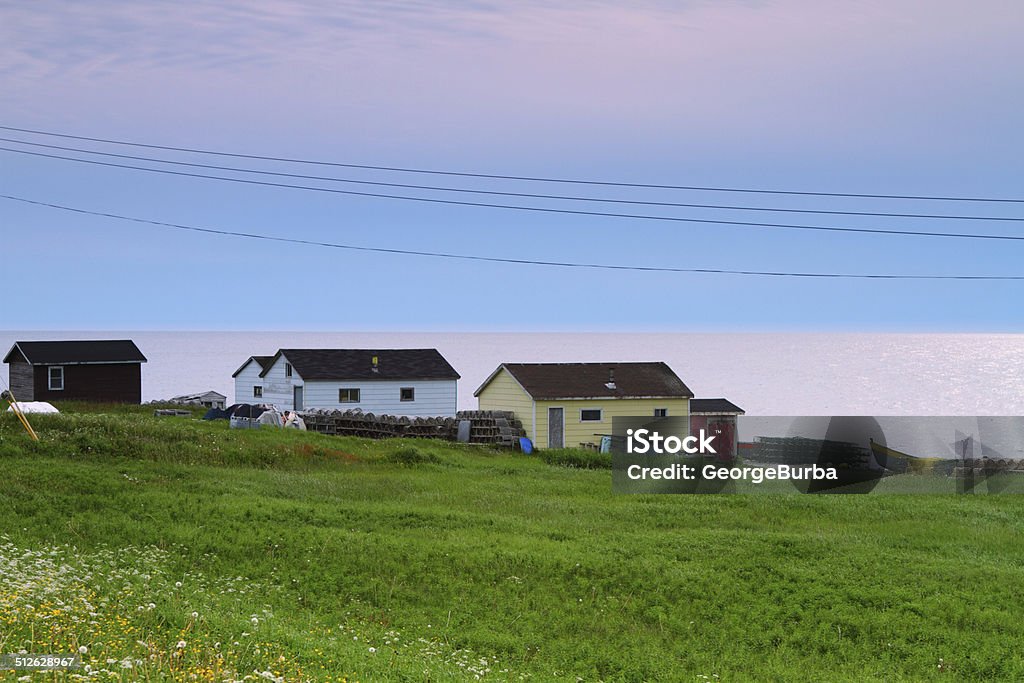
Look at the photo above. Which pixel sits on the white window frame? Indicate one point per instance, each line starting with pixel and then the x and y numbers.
pixel 49 377
pixel 599 411
pixel 359 394
pixel 288 370
pixel 412 394
pixel 663 411
pixel 257 391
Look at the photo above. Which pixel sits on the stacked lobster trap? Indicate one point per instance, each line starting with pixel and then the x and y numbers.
pixel 490 427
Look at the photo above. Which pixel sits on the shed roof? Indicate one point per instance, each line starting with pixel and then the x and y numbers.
pixel 77 352
pixel 554 381
pixel 714 406
pixel 353 364
pixel 263 361
pixel 204 396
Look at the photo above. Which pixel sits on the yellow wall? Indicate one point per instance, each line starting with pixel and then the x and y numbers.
pixel 504 393
pixel 577 432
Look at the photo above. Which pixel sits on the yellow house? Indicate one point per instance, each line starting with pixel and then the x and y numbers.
pixel 570 404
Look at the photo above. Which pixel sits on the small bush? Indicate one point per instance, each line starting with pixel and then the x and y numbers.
pixel 576 457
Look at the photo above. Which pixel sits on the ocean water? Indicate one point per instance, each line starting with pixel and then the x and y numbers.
pixel 764 373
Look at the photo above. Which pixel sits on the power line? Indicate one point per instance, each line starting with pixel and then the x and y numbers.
pixel 538 179
pixel 574 212
pixel 495 259
pixel 525 195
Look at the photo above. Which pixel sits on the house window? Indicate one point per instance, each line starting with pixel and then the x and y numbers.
pixel 287 369
pixel 56 376
pixel 257 392
pixel 590 415
pixel 348 396
pixel 408 394
pixel 661 412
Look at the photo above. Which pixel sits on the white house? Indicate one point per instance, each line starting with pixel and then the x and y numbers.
pixel 248 385
pixel 413 382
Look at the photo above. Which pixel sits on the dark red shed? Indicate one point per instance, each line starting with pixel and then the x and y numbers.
pixel 93 370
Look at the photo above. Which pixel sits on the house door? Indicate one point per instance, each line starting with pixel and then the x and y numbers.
pixel 297 403
pixel 556 428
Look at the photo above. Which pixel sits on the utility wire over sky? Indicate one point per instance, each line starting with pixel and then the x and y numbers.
pixel 576 212
pixel 527 195
pixel 514 177
pixel 550 262
pixel 531 262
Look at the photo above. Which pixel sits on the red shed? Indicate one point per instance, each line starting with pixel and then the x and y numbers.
pixel 94 370
pixel 716 416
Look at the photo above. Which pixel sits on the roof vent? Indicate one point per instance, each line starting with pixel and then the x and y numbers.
pixel 610 384
pixel 375 363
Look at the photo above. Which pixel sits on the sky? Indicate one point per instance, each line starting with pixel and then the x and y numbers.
pixel 908 98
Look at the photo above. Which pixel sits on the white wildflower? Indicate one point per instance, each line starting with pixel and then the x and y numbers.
pixel 83 649
pixel 181 644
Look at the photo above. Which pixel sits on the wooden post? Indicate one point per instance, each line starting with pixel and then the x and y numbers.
pixel 9 395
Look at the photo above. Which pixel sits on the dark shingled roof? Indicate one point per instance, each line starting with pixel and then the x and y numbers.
pixel 715 406
pixel 552 381
pixel 77 352
pixel 264 363
pixel 348 364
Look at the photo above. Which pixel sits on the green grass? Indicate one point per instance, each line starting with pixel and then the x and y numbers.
pixel 576 457
pixel 455 561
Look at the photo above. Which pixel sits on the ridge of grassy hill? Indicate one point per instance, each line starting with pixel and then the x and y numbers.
pixel 172 548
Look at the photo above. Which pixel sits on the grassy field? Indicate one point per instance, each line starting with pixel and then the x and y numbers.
pixel 177 549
